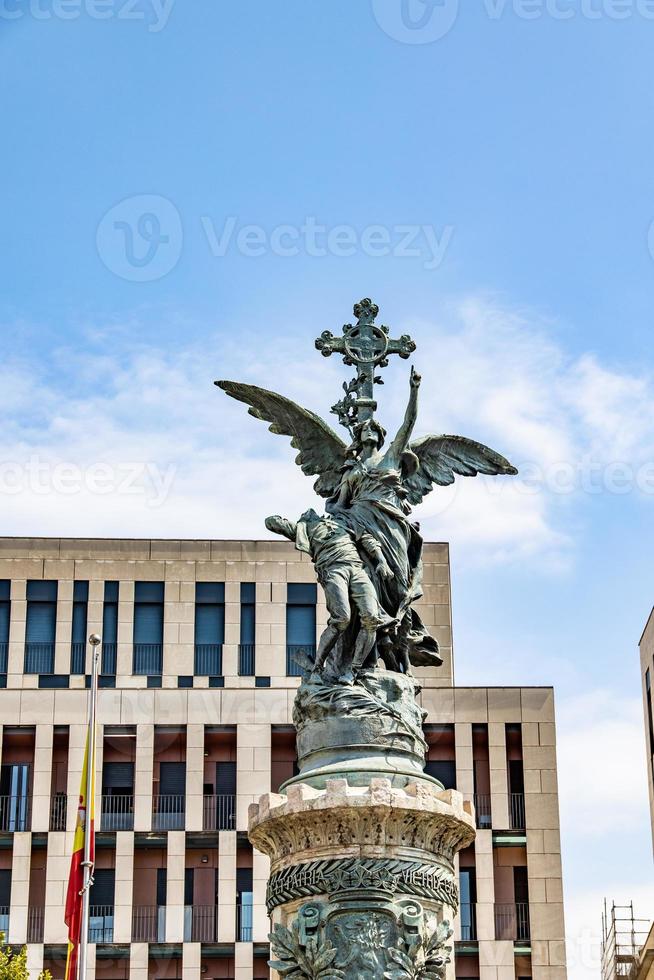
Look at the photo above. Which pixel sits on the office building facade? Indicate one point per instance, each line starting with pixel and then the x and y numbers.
pixel 198 677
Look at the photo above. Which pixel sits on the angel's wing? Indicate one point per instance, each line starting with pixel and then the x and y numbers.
pixel 321 454
pixel 443 457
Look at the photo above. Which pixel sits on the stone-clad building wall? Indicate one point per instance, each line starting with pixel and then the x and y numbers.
pixel 647 678
pixel 511 925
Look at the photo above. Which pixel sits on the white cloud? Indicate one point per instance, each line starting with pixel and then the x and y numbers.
pixel 604 818
pixel 491 374
pixel 602 766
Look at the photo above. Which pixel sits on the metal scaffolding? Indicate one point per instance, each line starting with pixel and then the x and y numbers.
pixel 623 938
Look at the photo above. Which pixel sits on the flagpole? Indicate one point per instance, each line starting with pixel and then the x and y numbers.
pixel 87 864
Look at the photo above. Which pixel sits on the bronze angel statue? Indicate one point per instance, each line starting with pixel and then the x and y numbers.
pixel 366 549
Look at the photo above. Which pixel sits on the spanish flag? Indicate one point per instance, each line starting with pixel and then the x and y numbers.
pixel 74 895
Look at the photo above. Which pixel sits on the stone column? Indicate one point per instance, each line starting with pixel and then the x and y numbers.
pixel 362 843
pixel 364 875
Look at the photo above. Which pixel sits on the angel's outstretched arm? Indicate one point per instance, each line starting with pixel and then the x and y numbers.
pixel 401 441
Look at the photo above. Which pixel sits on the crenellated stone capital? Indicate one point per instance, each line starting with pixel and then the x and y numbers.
pixel 416 822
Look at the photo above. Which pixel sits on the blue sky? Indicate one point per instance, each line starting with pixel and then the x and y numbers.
pixel 197 189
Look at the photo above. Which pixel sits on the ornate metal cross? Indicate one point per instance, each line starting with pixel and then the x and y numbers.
pixel 368 346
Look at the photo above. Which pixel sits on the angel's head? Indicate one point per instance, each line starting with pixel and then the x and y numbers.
pixel 369 434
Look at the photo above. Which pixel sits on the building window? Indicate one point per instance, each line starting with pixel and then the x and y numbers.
pixel 41 627
pixel 110 629
pixel 14 797
pixel 117 796
pixel 441 754
pixel 80 617
pixel 5 615
pixel 169 804
pixel 5 900
pixel 244 900
pixel 223 804
pixel 246 650
pixel 468 906
pixel 516 776
pixel 481 774
pixel 148 628
pixel 209 628
pixel 102 901
pixel 300 627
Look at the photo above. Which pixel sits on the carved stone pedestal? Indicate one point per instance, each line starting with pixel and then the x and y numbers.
pixel 362 878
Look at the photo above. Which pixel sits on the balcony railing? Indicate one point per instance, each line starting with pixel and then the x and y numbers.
pixel 58 810
pixel 517 811
pixel 149 924
pixel 101 924
pixel 14 814
pixel 168 812
pixel 209 659
pixel 200 924
pixel 243 922
pixel 512 921
pixel 39 658
pixel 78 658
pixel 4 657
pixel 109 654
pixel 4 921
pixel 220 813
pixel 468 921
pixel 117 812
pixel 148 659
pixel 483 811
pixel 35 918
pixel 246 659
pixel 298 652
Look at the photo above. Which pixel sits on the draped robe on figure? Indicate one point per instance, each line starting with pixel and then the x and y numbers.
pixel 377 505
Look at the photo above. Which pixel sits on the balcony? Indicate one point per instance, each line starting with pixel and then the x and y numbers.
pixel 483 811
pixel 246 659
pixel 4 921
pixel 200 924
pixel 149 924
pixel 208 659
pixel 301 652
pixel 243 921
pixel 219 813
pixel 78 658
pixel 39 658
pixel 512 922
pixel 517 811
pixel 468 922
pixel 35 919
pixel 58 810
pixel 148 659
pixel 117 812
pixel 4 657
pixel 14 814
pixel 101 924
pixel 168 812
pixel 109 655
